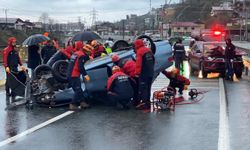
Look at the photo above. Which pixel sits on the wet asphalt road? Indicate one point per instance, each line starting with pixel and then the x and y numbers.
pixel 189 127
pixel 239 114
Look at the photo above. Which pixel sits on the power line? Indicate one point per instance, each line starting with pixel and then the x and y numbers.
pixel 93 17
pixel 150 5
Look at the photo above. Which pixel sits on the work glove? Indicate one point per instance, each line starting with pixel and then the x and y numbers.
pixel 87 78
pixel 23 68
pixel 7 69
pixel 185 87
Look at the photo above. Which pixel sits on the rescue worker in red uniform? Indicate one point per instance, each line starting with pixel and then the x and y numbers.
pixel 75 69
pixel 127 65
pixel 98 49
pixel 177 80
pixel 11 60
pixel 48 51
pixel 88 50
pixel 63 54
pixel 144 71
pixel 120 91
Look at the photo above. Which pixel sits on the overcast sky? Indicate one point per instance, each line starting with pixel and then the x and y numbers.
pixel 70 10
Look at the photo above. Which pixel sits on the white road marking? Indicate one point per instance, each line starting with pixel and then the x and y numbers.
pixel 35 128
pixel 223 139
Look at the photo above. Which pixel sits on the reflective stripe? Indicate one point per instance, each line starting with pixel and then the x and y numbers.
pixel 180 50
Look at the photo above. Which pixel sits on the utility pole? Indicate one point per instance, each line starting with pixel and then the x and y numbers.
pixel 6 17
pixel 150 5
pixel 123 29
pixel 94 17
pixel 80 23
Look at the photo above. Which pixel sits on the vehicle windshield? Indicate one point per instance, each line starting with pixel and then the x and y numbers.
pixel 186 42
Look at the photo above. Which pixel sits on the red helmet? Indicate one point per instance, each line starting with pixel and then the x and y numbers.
pixel 11 40
pixel 115 58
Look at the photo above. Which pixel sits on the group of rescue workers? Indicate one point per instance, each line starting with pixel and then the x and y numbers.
pixel 130 82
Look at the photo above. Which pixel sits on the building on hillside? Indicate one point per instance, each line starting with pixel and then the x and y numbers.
pixel 11 23
pixel 104 28
pixel 185 28
pixel 226 7
pixel 16 23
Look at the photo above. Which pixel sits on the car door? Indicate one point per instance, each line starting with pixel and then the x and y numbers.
pixel 162 55
pixel 195 56
pixel 98 79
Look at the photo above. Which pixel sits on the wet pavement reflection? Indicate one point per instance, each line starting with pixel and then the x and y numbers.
pixel 189 127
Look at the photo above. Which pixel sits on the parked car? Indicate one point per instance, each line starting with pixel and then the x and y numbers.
pixel 209 57
pixel 50 86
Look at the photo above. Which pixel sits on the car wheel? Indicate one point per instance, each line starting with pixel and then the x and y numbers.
pixel 222 74
pixel 42 70
pixel 60 71
pixel 120 45
pixel 149 42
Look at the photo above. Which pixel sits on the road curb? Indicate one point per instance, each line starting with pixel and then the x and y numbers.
pixel 223 138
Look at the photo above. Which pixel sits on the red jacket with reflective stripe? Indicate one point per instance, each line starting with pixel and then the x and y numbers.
pixel 177 78
pixel 98 51
pixel 68 51
pixel 113 77
pixel 76 70
pixel 129 68
pixel 6 52
pixel 140 51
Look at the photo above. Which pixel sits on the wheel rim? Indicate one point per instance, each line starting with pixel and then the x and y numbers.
pixel 62 69
pixel 147 43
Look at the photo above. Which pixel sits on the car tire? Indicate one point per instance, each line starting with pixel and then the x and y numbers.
pixel 149 41
pixel 120 45
pixel 42 70
pixel 60 71
pixel 223 74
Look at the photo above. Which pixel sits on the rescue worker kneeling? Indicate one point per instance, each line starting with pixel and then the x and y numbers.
pixel 75 69
pixel 177 80
pixel 120 91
